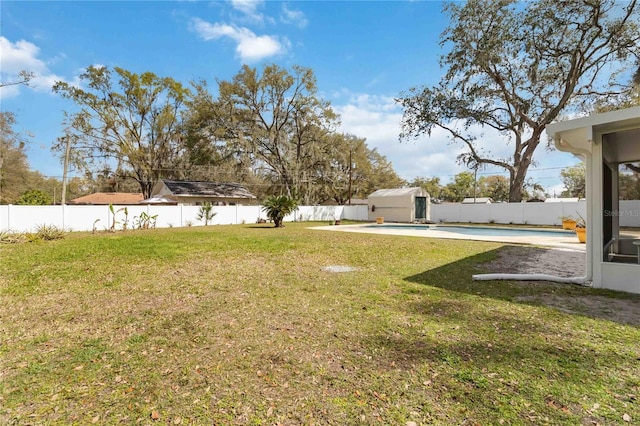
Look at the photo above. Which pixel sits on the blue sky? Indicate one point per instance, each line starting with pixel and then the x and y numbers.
pixel 363 53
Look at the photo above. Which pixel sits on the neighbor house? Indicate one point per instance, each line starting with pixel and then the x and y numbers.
pixel 199 192
pixel 477 200
pixel 106 198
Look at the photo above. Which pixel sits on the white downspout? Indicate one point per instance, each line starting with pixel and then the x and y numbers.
pixel 584 280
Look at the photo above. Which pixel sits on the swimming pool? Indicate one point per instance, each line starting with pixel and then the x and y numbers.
pixel 481 230
pixel 535 236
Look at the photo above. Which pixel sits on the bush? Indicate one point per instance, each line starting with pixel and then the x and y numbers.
pixel 43 233
pixel 49 232
pixel 278 206
pixel 34 197
pixel 9 237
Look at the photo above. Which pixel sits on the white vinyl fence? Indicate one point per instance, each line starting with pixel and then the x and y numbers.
pixel 527 213
pixel 86 218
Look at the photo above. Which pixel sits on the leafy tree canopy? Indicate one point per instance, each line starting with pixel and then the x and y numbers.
pixel 573 181
pixel 270 130
pixel 14 169
pixel 127 118
pixel 514 67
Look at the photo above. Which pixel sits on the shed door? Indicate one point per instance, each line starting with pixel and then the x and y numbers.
pixel 421 208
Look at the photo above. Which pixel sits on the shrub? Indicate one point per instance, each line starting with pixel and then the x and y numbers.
pixel 9 237
pixel 34 197
pixel 278 206
pixel 49 232
pixel 145 221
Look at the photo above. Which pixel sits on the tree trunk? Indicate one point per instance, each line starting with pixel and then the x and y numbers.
pixel 146 188
pixel 517 185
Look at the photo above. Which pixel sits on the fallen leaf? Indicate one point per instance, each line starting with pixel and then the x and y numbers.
pixel 626 417
pixel 155 415
pixel 95 419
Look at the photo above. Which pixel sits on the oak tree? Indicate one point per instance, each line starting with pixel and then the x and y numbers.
pixel 14 169
pixel 128 120
pixel 275 121
pixel 515 67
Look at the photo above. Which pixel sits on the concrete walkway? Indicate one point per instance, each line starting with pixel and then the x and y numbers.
pixel 569 242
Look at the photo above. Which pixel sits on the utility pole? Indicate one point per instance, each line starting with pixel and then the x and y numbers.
pixel 475 182
pixel 64 171
pixel 350 167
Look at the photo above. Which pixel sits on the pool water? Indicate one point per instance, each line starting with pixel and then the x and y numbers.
pixel 485 231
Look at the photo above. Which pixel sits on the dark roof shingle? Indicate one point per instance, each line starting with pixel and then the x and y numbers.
pixel 207 189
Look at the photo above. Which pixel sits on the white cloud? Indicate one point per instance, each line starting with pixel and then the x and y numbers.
pixel 23 55
pixel 294 17
pixel 250 47
pixel 20 55
pixel 378 118
pixel 249 8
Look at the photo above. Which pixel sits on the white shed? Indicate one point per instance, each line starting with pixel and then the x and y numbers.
pixel 400 205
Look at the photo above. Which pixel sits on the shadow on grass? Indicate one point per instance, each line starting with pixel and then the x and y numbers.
pixel 513 375
pixel 623 308
pixel 498 359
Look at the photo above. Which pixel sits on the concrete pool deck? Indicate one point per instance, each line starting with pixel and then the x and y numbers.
pixel 569 242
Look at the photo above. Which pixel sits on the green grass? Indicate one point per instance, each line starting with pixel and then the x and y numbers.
pixel 241 325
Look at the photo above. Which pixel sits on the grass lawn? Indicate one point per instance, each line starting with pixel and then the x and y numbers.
pixel 242 325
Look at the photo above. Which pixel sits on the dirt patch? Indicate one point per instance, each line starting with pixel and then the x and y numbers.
pixel 339 268
pixel 537 260
pixel 564 263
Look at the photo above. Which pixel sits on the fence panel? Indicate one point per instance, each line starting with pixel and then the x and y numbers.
pixel 507 213
pixel 516 213
pixel 629 213
pixel 84 218
pixel 449 212
pixel 27 218
pixel 359 212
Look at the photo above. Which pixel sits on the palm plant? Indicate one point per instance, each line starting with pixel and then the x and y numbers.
pixel 206 213
pixel 278 206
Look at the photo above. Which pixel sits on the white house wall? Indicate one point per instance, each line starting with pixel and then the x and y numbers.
pixel 617 276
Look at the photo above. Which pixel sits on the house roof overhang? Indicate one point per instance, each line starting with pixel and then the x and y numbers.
pixel 621 127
